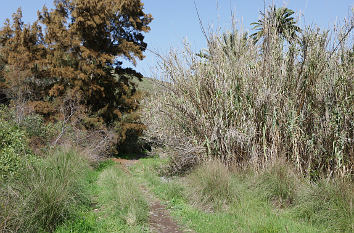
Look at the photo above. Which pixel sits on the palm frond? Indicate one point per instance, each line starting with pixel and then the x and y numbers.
pixel 283 21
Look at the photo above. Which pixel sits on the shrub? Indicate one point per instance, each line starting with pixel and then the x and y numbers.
pixel 14 150
pixel 45 194
pixel 40 133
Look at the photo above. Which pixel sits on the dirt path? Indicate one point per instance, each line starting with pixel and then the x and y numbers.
pixel 159 218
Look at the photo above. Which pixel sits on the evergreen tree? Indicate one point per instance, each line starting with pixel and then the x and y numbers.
pixel 21 52
pixel 72 54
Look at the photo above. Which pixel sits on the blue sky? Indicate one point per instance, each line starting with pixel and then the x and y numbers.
pixel 176 20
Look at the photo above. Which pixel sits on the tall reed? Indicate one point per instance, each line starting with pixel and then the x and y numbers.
pixel 244 103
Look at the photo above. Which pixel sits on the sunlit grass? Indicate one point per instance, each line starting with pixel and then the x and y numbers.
pixel 255 204
pixel 119 206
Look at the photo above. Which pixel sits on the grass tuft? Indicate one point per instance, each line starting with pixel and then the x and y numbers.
pixel 210 186
pixel 328 203
pixel 121 197
pixel 45 194
pixel 278 184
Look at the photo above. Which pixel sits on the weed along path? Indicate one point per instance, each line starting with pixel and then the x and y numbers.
pixel 131 196
pixel 160 220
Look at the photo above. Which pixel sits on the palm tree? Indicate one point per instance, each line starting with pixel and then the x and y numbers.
pixel 229 41
pixel 278 19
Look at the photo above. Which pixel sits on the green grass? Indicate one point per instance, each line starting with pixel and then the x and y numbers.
pixel 210 186
pixel 278 184
pixel 327 202
pixel 252 202
pixel 121 199
pixel 117 204
pixel 44 194
pixel 63 194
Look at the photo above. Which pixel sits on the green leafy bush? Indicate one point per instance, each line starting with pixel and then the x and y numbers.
pixel 14 150
pixel 36 127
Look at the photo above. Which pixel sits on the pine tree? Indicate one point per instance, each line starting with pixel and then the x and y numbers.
pixel 73 53
pixel 21 52
pixel 85 38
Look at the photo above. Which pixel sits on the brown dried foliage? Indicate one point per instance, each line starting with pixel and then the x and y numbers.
pixel 70 53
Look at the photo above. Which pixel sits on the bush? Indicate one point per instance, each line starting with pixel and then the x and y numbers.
pixel 45 194
pixel 37 134
pixel 14 151
pixel 40 133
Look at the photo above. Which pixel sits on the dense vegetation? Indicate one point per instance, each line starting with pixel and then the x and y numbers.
pixel 253 103
pixel 215 198
pixel 260 127
pixel 44 194
pixel 66 102
pixel 66 65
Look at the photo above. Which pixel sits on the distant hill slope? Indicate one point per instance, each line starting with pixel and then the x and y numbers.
pixel 147 85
